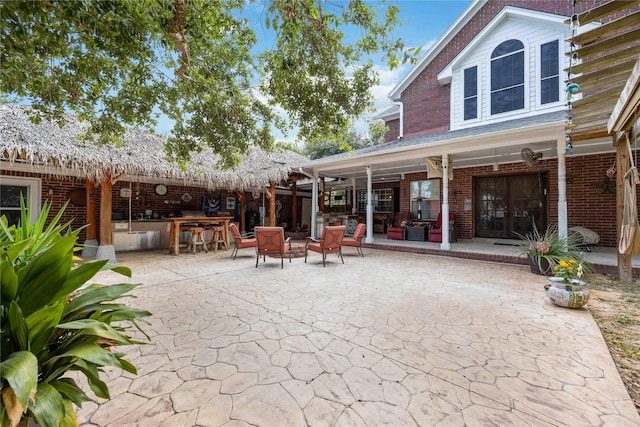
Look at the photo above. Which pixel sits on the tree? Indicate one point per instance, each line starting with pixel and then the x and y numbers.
pixel 118 63
pixel 317 148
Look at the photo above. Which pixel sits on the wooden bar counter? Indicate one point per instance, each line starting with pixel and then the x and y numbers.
pixel 174 232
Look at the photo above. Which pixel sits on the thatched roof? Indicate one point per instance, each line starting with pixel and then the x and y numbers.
pixel 52 149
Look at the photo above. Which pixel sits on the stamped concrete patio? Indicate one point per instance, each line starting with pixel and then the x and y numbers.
pixel 389 339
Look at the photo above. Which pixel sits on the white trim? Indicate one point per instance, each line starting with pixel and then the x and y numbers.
pixel 538 74
pixel 437 47
pixel 444 77
pixel 527 78
pixel 35 192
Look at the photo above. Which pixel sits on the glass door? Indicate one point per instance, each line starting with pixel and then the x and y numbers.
pixel 509 206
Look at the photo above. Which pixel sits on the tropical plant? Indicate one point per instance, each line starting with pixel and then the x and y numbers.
pixel 548 248
pixel 52 322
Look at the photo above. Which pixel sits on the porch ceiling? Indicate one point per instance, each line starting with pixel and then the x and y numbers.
pixel 477 150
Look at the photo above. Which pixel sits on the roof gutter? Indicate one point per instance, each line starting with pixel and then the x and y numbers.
pixel 401 130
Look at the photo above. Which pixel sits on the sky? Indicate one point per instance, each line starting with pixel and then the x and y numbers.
pixel 423 22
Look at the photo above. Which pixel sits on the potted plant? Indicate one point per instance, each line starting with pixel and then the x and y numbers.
pixel 566 288
pixel 545 250
pixel 53 322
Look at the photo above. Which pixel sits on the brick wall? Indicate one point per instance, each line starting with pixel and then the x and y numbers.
pixel 65 185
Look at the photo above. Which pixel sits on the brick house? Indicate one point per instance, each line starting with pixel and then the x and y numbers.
pixel 488 103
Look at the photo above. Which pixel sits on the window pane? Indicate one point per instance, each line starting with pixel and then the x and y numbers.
pixel 507 71
pixel 507 47
pixel 471 108
pixel 507 100
pixel 13 216
pixel 10 195
pixel 549 90
pixel 470 82
pixel 549 63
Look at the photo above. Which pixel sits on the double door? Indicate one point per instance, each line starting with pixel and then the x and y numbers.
pixel 509 206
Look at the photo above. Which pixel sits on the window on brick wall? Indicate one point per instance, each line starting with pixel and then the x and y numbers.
pixel 507 77
pixel 471 93
pixel 11 189
pixel 549 73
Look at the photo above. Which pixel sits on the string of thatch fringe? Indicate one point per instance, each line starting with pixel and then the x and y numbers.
pixel 56 150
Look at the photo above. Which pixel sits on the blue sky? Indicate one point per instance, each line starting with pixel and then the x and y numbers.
pixel 423 22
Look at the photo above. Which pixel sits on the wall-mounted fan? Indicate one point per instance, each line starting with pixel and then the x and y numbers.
pixel 529 157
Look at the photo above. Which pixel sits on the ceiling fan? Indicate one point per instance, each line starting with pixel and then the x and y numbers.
pixel 529 157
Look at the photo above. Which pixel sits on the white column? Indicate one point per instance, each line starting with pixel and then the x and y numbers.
pixel 562 189
pixel 354 206
pixel 314 205
pixel 445 203
pixel 369 238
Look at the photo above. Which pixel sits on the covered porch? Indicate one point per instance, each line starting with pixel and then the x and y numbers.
pixel 604 259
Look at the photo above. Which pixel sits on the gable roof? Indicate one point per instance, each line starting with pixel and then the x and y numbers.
pixel 444 77
pixel 437 47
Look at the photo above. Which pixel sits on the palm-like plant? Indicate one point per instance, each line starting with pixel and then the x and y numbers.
pixel 549 247
pixel 51 322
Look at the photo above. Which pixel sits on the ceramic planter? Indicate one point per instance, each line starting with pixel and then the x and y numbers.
pixel 572 294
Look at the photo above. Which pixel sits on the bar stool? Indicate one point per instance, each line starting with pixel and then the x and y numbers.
pixel 217 238
pixel 197 239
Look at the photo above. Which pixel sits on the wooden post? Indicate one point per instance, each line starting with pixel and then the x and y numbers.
pixel 91 210
pixel 625 271
pixel 294 204
pixel 272 203
pixel 241 198
pixel 105 211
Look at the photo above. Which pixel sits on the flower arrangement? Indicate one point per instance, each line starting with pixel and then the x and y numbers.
pixel 546 249
pixel 568 269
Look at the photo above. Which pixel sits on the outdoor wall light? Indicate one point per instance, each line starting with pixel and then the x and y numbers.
pixel 51 190
pixel 575 23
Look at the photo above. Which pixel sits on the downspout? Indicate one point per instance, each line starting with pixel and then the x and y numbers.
pixel 401 126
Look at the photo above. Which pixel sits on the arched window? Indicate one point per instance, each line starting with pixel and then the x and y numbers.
pixel 507 77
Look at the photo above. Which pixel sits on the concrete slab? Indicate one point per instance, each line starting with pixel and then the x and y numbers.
pixel 393 338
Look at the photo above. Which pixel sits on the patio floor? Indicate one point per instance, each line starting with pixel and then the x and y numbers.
pixel 389 339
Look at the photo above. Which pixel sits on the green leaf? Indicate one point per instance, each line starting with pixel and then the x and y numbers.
pixel 8 279
pixel 78 277
pixel 43 275
pixel 70 390
pixel 41 325
pixel 20 370
pixel 97 328
pixel 90 352
pixel 69 419
pixel 96 294
pixel 90 370
pixel 18 327
pixel 48 408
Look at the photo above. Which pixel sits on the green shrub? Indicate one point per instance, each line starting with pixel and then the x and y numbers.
pixel 52 322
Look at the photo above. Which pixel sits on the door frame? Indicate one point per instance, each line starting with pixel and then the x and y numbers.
pixel 510 214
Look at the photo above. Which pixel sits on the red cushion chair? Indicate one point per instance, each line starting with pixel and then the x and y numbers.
pixel 435 234
pixel 397 231
pixel 356 240
pixel 240 242
pixel 329 243
pixel 271 241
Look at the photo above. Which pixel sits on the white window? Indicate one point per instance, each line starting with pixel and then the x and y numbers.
pixel 425 199
pixel 549 72
pixel 471 93
pixel 11 188
pixel 507 77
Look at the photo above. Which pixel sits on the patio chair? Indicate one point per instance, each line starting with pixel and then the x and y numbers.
pixel 435 234
pixel 356 240
pixel 329 243
pixel 397 231
pixel 240 242
pixel 271 241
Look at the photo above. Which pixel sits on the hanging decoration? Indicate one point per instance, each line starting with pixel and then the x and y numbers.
pixel 571 88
